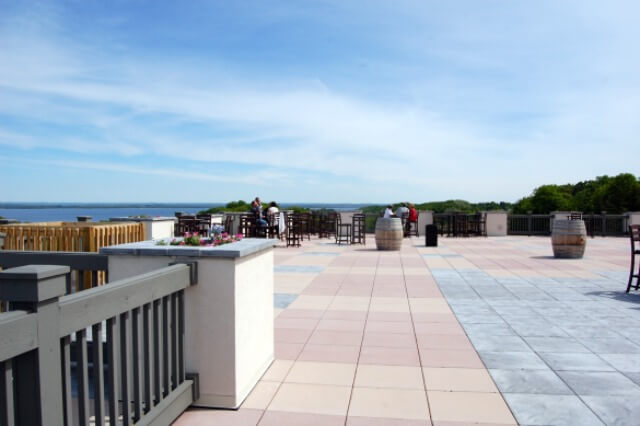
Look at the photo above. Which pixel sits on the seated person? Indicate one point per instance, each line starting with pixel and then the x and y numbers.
pixel 388 212
pixel 257 213
pixel 402 210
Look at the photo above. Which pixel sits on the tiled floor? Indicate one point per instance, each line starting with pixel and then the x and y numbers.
pixel 476 331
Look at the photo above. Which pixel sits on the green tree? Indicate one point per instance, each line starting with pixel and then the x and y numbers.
pixel 618 194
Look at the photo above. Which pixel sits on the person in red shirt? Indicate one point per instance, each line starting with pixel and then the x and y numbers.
pixel 413 216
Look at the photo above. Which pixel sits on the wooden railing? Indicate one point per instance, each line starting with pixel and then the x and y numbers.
pixel 122 344
pixel 70 236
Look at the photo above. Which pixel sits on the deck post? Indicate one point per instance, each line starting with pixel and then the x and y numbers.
pixel 38 379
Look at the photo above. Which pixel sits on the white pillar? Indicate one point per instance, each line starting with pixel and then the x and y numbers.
pixel 496 223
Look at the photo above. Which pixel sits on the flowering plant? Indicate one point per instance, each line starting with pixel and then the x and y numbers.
pixel 218 238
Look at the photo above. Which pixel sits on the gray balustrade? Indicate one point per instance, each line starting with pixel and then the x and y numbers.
pixel 122 344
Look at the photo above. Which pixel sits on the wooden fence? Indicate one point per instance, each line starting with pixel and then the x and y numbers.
pixel 122 345
pixel 70 236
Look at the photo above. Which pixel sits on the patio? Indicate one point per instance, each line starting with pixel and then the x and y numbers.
pixel 475 331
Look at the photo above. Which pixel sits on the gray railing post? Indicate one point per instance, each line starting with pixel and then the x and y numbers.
pixel 604 223
pixel 529 220
pixel 38 378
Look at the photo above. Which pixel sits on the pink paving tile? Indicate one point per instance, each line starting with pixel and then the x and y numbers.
pixel 389 356
pixel 433 317
pixel 329 353
pixel 445 423
pixel 450 358
pixel 389 340
pixel 345 315
pixel 288 350
pixel 438 328
pixel 331 337
pixel 301 313
pixel 389 292
pixel 378 421
pixel 296 323
pixel 389 327
pixel 418 291
pixel 282 418
pixel 444 341
pixel 389 316
pixel 340 325
pixel 353 292
pixel 287 335
pixel 320 291
pixel 206 417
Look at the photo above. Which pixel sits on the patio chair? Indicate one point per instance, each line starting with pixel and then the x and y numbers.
pixel 358 235
pixel 412 227
pixel 294 230
pixel 634 237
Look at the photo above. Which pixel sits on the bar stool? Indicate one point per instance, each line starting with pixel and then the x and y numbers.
pixel 634 237
pixel 294 231
pixel 343 233
pixel 358 235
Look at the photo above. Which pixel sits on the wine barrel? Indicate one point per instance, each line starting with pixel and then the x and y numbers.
pixel 568 238
pixel 389 233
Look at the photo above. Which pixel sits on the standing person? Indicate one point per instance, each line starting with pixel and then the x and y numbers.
pixel 388 212
pixel 413 217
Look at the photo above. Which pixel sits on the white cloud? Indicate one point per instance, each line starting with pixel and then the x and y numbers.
pixel 446 137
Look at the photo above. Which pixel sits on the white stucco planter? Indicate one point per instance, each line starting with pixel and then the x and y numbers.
pixel 155 228
pixel 229 313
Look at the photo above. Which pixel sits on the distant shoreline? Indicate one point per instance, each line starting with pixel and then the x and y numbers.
pixel 18 205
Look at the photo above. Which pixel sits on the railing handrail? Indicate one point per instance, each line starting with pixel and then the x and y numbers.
pixel 18 333
pixel 85 308
pixel 74 260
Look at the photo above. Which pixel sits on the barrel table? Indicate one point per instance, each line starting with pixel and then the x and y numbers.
pixel 389 233
pixel 568 238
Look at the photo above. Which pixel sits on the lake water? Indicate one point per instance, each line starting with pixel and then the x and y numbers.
pixel 52 213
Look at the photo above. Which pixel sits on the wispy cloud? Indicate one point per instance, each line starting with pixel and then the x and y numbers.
pixel 500 106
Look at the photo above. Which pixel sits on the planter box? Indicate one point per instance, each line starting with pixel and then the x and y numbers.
pixel 229 313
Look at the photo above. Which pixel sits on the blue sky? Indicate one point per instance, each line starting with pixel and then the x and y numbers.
pixel 314 101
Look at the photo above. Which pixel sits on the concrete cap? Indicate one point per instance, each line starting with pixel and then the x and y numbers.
pixel 33 272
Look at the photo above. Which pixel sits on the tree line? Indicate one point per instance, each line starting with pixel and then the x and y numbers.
pixel 615 195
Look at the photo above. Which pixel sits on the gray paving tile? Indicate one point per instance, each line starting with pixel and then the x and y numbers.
pixel 499 343
pixel 618 345
pixel 634 377
pixel 540 330
pixel 489 329
pixel 513 360
pixel 590 331
pixel 623 362
pixel 599 383
pixel 573 361
pixel 478 318
pixel 615 410
pixel 559 410
pixel 529 381
pixel 556 344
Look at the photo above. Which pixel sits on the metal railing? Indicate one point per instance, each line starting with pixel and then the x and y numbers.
pixel 122 344
pixel 529 224
pixel 596 224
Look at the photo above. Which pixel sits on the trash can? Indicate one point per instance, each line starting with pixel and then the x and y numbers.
pixel 431 235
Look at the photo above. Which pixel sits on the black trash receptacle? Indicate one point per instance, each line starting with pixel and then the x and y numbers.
pixel 431 235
